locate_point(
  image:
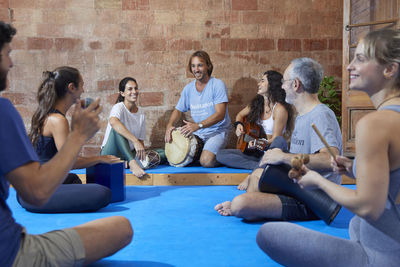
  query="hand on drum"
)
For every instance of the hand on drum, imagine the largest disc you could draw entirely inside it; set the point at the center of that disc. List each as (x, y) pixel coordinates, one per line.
(189, 128)
(272, 156)
(168, 134)
(140, 152)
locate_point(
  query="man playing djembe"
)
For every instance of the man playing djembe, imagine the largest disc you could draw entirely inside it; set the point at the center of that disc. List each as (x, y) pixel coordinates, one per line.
(206, 98)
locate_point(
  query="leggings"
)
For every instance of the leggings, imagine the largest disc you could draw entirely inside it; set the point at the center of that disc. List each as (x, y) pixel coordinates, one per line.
(293, 245)
(234, 158)
(73, 198)
(118, 146)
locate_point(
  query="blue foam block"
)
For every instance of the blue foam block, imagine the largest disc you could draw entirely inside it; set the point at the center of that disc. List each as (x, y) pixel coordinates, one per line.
(109, 175)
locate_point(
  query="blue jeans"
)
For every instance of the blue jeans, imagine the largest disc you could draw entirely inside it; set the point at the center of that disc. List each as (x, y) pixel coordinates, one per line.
(234, 158)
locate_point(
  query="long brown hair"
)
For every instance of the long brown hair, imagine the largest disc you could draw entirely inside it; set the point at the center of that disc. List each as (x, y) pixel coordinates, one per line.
(275, 94)
(53, 87)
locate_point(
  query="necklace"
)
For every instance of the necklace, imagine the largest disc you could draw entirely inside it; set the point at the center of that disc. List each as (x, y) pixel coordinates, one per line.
(386, 100)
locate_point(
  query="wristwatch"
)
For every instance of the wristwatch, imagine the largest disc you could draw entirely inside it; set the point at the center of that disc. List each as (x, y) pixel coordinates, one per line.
(200, 125)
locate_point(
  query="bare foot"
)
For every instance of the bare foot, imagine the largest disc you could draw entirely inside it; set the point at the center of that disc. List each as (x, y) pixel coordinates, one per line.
(224, 208)
(135, 169)
(244, 184)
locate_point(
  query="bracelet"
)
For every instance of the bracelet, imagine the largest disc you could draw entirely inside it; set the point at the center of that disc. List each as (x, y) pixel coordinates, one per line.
(236, 123)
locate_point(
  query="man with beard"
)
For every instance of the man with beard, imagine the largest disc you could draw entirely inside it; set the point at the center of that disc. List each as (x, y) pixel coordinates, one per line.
(35, 183)
(206, 98)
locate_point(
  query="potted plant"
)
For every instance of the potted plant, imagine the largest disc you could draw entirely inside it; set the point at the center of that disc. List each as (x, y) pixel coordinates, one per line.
(329, 96)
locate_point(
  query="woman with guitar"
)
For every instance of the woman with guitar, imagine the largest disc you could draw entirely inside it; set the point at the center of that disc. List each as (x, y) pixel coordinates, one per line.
(258, 125)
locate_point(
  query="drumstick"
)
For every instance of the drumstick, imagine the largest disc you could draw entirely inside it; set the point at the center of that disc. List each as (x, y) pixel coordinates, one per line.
(323, 140)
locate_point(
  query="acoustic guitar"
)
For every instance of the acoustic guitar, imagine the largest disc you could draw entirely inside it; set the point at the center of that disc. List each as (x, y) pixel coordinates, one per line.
(252, 131)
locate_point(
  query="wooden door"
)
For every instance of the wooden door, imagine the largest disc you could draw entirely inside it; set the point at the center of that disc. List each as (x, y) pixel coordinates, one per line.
(360, 17)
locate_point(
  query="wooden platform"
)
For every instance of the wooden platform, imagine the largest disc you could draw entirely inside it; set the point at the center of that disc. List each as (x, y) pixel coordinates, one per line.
(192, 179)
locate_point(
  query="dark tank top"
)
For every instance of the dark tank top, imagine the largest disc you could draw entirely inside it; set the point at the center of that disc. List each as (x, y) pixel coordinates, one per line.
(46, 147)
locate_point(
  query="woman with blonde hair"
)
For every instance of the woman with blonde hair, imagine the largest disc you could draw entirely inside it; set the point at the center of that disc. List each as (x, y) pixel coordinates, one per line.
(374, 230)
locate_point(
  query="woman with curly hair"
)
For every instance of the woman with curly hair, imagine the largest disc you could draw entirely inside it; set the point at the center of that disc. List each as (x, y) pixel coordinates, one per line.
(272, 114)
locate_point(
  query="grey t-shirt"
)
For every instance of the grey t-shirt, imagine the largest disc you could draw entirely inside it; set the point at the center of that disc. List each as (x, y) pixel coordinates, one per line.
(305, 140)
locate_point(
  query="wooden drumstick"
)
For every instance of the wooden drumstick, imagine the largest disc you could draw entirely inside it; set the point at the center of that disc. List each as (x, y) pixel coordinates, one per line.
(323, 140)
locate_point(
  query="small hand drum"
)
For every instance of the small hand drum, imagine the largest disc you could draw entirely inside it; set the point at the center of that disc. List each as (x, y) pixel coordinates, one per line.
(183, 150)
(151, 160)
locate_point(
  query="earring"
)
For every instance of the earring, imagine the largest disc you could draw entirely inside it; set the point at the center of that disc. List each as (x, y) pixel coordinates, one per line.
(388, 76)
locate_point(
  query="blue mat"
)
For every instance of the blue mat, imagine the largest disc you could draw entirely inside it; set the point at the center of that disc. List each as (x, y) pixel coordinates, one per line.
(176, 226)
(192, 169)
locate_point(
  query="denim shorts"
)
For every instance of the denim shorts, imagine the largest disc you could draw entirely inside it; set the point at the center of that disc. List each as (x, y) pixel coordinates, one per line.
(215, 142)
(295, 210)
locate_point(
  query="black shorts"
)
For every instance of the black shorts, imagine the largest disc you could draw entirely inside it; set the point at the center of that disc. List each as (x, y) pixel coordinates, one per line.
(295, 210)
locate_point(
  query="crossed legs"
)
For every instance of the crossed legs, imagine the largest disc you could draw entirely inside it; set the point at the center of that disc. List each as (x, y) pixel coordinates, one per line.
(252, 205)
(103, 237)
(293, 245)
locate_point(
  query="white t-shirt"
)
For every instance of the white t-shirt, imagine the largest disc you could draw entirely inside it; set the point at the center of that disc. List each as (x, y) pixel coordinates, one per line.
(134, 122)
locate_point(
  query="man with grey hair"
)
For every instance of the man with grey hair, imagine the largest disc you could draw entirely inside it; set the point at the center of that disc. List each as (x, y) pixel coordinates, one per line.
(301, 81)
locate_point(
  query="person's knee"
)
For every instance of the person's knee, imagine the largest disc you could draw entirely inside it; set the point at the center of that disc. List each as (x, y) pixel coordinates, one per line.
(207, 160)
(128, 229)
(267, 237)
(125, 229)
(206, 163)
(262, 236)
(279, 142)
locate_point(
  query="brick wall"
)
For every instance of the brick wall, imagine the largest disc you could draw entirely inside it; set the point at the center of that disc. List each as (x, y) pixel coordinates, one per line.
(151, 40)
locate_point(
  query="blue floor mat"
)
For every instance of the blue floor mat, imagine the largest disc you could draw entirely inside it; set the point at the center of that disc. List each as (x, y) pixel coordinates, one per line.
(176, 226)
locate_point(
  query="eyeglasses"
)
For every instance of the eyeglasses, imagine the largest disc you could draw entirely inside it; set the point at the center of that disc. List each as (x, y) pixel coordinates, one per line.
(283, 80)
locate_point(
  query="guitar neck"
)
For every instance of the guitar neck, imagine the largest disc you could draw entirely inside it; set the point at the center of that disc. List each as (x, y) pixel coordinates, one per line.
(247, 138)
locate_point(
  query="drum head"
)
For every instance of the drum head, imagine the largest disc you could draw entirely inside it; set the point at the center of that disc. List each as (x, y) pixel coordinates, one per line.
(177, 150)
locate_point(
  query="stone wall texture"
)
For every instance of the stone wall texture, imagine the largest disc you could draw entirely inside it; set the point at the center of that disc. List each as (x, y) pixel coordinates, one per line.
(152, 40)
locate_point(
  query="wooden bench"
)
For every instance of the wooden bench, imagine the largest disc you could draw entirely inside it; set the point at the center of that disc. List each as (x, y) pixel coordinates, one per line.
(167, 175)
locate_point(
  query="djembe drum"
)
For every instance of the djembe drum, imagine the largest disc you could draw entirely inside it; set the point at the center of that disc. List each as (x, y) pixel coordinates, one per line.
(183, 150)
(275, 179)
